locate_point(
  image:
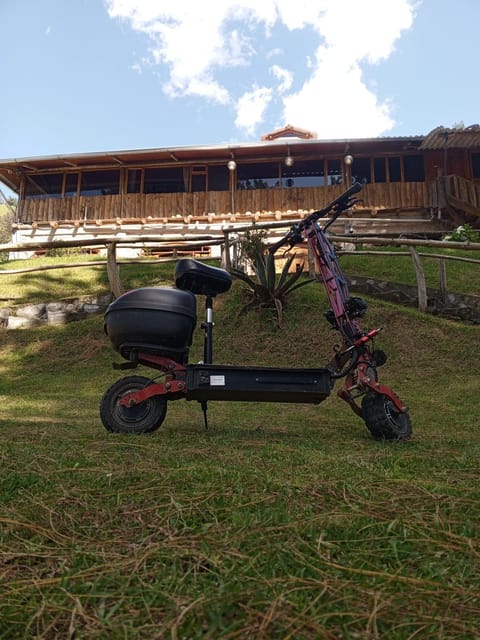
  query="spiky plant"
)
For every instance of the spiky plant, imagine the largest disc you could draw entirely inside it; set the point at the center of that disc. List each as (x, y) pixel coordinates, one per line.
(265, 290)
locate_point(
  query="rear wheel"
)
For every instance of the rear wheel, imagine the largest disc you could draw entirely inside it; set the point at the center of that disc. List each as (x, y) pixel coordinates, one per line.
(383, 419)
(141, 418)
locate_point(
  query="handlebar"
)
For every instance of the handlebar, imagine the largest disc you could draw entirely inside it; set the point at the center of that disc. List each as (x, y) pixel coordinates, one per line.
(343, 202)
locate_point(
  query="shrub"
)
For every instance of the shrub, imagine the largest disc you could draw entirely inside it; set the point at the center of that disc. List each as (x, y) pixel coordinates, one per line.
(464, 233)
(265, 290)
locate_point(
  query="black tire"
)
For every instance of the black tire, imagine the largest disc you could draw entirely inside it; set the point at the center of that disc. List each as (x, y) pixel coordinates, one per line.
(142, 418)
(383, 420)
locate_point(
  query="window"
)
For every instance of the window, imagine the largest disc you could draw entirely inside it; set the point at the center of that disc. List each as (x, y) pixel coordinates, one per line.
(476, 165)
(304, 174)
(218, 178)
(334, 168)
(379, 170)
(134, 181)
(99, 183)
(394, 169)
(71, 184)
(47, 185)
(258, 176)
(413, 169)
(165, 180)
(199, 178)
(361, 170)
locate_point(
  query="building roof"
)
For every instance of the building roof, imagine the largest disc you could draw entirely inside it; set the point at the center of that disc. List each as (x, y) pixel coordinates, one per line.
(459, 137)
(289, 131)
(298, 143)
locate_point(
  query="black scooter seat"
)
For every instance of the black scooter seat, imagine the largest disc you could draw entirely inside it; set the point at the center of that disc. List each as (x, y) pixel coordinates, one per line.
(200, 278)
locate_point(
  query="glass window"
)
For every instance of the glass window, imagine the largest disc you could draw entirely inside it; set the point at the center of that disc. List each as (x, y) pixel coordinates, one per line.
(476, 165)
(99, 183)
(394, 169)
(379, 169)
(199, 178)
(258, 176)
(47, 185)
(218, 178)
(71, 184)
(361, 170)
(413, 169)
(199, 182)
(134, 181)
(165, 180)
(334, 172)
(304, 174)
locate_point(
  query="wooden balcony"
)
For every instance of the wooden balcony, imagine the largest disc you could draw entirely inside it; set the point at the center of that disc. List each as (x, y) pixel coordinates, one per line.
(218, 204)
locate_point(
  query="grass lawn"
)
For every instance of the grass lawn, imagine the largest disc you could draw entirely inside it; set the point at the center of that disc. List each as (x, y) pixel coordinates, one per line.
(281, 521)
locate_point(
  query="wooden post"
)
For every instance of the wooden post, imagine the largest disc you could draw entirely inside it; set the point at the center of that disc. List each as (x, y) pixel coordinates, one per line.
(113, 270)
(227, 263)
(442, 266)
(421, 284)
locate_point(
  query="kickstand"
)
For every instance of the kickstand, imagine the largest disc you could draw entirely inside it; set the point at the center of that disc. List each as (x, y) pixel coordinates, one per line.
(204, 409)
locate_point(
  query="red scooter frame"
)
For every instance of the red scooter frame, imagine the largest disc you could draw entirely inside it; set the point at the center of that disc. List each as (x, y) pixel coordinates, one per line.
(137, 404)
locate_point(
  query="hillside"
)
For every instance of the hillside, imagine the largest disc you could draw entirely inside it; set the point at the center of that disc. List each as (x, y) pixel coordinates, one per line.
(280, 521)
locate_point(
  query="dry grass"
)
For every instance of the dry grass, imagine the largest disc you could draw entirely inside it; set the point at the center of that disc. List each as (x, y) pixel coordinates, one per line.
(281, 521)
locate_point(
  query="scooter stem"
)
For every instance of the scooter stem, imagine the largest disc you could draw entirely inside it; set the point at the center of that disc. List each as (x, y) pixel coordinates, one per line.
(208, 328)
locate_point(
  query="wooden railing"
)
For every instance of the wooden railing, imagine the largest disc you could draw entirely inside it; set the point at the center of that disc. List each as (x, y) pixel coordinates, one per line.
(377, 197)
(463, 189)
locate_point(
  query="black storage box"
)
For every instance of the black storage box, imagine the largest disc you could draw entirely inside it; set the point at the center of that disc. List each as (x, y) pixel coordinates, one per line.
(259, 384)
(158, 320)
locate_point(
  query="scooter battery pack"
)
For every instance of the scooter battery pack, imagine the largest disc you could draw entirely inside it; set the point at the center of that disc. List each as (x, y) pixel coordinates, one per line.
(257, 384)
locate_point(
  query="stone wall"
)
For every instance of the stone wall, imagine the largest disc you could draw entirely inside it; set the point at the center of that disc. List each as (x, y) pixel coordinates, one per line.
(456, 306)
(60, 312)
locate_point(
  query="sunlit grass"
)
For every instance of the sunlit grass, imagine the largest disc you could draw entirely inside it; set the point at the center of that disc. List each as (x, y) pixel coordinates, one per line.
(280, 521)
(462, 277)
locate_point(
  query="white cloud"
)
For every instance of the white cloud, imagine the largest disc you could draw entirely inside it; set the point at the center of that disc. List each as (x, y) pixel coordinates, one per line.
(205, 46)
(284, 77)
(251, 107)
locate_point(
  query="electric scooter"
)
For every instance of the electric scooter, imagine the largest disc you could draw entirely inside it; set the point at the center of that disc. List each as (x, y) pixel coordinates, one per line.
(153, 326)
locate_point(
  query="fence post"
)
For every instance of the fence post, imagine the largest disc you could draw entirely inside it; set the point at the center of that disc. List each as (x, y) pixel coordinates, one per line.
(227, 263)
(442, 266)
(113, 271)
(421, 284)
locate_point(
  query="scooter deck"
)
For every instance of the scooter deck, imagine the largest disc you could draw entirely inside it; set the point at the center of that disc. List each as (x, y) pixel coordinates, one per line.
(258, 384)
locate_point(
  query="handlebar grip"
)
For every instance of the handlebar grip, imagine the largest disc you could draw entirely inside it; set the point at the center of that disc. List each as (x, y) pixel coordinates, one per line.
(346, 195)
(355, 188)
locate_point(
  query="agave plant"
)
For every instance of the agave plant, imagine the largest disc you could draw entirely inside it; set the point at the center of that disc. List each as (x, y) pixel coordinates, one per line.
(265, 289)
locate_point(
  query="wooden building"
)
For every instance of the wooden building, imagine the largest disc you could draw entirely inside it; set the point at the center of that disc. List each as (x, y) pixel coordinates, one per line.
(413, 185)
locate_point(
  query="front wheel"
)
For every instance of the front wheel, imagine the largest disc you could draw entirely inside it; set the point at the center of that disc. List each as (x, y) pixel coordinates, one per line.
(383, 419)
(141, 418)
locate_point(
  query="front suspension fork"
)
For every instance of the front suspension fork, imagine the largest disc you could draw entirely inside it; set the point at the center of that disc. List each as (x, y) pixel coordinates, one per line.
(362, 378)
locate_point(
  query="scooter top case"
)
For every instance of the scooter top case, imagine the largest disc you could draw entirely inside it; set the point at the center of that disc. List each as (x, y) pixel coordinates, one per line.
(157, 320)
(257, 384)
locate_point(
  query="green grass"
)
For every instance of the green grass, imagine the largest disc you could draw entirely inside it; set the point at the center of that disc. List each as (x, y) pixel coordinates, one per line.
(281, 521)
(32, 287)
(60, 283)
(462, 277)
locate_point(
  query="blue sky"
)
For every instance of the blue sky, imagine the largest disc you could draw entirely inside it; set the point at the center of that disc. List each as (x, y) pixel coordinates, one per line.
(93, 75)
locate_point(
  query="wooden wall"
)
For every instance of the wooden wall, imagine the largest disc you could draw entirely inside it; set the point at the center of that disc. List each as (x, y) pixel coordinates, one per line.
(388, 196)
